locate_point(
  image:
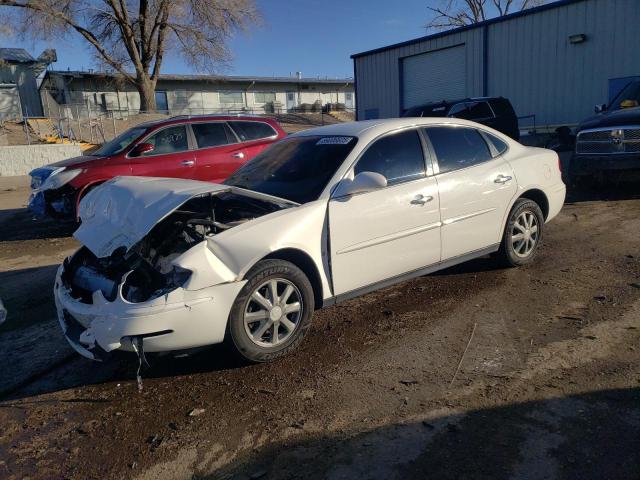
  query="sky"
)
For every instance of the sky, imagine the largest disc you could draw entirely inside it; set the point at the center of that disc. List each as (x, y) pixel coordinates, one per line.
(315, 37)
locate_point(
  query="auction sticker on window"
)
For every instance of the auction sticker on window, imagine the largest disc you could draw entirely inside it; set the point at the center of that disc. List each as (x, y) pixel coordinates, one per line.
(334, 140)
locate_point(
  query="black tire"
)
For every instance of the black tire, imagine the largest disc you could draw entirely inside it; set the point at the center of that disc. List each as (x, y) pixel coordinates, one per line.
(507, 255)
(262, 273)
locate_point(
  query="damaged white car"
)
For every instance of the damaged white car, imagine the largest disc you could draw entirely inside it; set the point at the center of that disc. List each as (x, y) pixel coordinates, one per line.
(322, 216)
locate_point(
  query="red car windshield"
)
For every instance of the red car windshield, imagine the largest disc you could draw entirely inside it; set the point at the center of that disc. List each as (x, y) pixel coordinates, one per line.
(119, 143)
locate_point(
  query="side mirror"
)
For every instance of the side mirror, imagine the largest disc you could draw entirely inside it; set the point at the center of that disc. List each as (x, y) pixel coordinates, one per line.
(600, 108)
(362, 182)
(141, 149)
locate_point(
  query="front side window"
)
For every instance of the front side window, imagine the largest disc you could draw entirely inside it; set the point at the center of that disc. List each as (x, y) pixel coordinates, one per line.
(398, 157)
(169, 140)
(629, 97)
(212, 134)
(458, 147)
(231, 97)
(248, 131)
(119, 143)
(264, 97)
(296, 168)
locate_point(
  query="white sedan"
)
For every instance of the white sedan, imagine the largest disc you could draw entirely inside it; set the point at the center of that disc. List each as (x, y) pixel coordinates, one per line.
(322, 216)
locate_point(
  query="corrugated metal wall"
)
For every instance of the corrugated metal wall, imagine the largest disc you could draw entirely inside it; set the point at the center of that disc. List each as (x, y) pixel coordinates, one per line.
(22, 76)
(378, 75)
(530, 61)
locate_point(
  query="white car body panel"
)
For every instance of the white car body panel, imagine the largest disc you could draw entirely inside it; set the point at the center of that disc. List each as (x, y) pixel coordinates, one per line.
(299, 228)
(356, 244)
(382, 234)
(472, 206)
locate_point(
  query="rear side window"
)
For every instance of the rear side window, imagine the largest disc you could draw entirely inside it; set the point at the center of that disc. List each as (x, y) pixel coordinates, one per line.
(472, 111)
(398, 157)
(498, 144)
(458, 147)
(502, 107)
(169, 140)
(248, 131)
(212, 134)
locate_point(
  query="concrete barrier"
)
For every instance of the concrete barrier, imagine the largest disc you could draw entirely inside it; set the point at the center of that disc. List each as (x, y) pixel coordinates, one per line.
(21, 159)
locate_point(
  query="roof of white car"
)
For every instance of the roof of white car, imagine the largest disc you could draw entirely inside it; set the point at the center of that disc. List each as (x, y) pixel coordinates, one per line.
(378, 127)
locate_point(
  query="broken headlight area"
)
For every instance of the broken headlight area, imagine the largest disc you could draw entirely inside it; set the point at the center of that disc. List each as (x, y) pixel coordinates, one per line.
(147, 271)
(86, 274)
(58, 203)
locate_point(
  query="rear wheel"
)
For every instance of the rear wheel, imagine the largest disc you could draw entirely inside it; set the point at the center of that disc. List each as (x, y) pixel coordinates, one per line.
(272, 312)
(522, 234)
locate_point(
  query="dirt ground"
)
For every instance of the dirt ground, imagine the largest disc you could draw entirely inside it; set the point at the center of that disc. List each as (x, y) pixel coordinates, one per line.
(474, 372)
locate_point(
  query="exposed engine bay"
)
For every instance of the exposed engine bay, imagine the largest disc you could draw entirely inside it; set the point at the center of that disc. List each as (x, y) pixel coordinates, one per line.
(146, 271)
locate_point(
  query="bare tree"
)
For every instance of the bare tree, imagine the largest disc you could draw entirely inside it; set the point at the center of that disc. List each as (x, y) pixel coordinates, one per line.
(133, 37)
(459, 13)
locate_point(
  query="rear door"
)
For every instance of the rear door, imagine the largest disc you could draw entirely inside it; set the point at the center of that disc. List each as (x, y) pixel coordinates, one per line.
(172, 155)
(254, 135)
(219, 152)
(476, 185)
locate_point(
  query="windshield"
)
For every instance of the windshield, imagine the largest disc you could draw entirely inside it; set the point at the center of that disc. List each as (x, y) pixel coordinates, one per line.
(627, 98)
(296, 168)
(119, 143)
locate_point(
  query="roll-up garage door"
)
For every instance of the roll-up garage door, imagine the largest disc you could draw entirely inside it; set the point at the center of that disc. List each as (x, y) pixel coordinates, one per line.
(434, 76)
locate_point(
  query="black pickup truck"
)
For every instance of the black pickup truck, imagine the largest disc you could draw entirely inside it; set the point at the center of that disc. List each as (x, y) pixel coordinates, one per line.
(608, 144)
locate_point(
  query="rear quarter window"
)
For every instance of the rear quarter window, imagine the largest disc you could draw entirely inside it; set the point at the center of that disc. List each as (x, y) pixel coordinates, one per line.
(498, 144)
(248, 131)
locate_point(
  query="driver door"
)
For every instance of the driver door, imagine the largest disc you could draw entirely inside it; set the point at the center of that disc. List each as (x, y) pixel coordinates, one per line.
(385, 233)
(170, 157)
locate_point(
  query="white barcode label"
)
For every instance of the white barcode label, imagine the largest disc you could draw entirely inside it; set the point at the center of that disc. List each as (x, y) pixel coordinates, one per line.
(334, 140)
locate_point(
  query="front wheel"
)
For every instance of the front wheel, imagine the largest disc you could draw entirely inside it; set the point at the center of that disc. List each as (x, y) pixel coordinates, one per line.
(272, 312)
(522, 234)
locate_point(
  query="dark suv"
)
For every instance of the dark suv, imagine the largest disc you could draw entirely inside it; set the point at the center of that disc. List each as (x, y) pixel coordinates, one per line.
(494, 112)
(609, 141)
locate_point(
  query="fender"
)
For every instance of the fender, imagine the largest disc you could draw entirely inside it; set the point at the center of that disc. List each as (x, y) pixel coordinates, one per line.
(83, 191)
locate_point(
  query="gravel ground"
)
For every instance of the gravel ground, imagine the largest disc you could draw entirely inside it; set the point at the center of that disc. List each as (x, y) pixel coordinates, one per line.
(549, 386)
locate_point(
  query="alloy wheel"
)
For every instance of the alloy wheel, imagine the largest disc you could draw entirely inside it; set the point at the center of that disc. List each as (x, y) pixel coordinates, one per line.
(273, 312)
(525, 234)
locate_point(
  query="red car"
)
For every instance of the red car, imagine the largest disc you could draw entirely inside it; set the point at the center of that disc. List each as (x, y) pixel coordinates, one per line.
(208, 148)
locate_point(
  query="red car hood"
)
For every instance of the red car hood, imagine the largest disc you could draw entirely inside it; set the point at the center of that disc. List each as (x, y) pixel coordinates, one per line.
(81, 161)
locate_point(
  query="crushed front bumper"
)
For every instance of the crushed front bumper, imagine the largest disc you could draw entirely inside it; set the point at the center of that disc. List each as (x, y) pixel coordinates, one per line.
(181, 319)
(55, 203)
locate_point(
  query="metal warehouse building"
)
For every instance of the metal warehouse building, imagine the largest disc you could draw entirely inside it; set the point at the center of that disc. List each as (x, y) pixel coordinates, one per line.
(554, 62)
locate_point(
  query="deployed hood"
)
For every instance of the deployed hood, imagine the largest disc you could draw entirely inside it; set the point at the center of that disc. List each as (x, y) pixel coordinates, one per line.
(125, 209)
(615, 118)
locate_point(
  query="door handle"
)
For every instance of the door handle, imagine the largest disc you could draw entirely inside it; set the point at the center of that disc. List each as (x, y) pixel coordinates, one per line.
(421, 200)
(238, 155)
(188, 163)
(502, 179)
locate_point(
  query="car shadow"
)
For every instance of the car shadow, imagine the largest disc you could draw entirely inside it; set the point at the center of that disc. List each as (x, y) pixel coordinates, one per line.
(593, 435)
(605, 191)
(20, 224)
